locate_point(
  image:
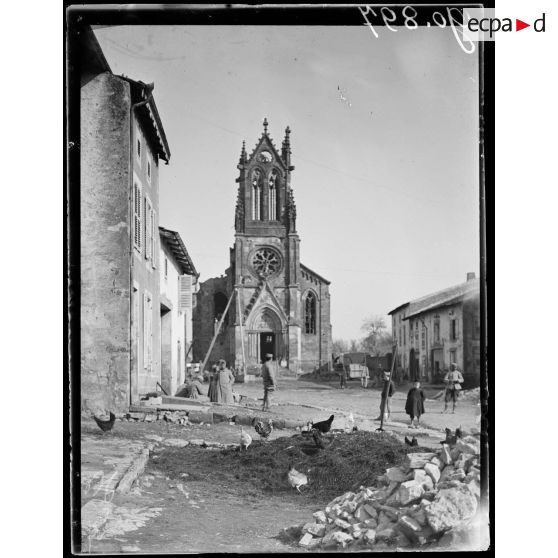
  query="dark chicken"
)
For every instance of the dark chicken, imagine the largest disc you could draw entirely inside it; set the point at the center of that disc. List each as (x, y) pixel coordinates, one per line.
(323, 426)
(264, 431)
(105, 425)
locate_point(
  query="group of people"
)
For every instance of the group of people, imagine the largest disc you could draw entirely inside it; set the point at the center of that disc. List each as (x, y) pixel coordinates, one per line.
(221, 380)
(414, 405)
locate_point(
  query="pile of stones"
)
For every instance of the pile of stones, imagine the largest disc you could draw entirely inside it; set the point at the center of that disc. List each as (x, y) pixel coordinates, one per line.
(433, 498)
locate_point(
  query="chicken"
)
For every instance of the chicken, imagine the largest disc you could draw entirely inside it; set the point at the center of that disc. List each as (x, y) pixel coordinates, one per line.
(350, 423)
(451, 439)
(245, 439)
(408, 442)
(458, 432)
(296, 479)
(414, 442)
(105, 425)
(323, 426)
(263, 431)
(319, 440)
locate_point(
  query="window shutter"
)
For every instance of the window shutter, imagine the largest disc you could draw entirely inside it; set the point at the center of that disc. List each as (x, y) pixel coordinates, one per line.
(145, 329)
(184, 292)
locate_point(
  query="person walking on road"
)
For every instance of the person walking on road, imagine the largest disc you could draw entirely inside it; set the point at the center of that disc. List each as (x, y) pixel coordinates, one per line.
(342, 375)
(269, 377)
(414, 406)
(453, 380)
(388, 389)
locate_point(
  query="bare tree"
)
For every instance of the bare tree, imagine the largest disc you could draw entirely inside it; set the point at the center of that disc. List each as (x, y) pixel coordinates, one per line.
(340, 346)
(377, 340)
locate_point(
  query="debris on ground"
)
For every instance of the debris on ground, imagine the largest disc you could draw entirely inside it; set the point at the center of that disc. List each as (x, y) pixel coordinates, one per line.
(349, 461)
(430, 499)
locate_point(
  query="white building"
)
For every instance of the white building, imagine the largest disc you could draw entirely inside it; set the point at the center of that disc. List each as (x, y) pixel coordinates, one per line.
(178, 282)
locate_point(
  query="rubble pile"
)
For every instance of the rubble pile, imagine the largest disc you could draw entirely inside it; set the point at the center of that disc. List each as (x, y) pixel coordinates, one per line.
(431, 497)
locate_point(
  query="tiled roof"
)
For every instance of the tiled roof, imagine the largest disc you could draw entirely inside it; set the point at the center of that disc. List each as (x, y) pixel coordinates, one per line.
(174, 242)
(445, 297)
(310, 272)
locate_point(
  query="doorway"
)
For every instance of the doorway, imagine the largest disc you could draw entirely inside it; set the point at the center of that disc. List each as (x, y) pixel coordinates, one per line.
(267, 345)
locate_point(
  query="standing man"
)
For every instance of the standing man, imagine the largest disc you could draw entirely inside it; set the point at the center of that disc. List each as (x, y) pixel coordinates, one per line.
(269, 377)
(388, 389)
(453, 380)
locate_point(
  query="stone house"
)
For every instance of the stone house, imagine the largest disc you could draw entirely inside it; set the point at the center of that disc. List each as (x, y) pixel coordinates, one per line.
(121, 146)
(439, 329)
(280, 306)
(178, 280)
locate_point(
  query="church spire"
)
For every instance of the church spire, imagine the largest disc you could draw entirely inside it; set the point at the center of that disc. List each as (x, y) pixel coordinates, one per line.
(243, 155)
(265, 125)
(286, 147)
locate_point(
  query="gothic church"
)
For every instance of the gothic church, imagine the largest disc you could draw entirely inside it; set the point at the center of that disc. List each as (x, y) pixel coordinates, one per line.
(275, 303)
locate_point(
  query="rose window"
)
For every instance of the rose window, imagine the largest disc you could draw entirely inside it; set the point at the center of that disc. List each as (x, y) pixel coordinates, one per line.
(266, 262)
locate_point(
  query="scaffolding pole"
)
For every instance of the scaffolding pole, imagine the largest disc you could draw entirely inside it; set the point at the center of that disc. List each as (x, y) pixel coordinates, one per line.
(241, 334)
(216, 333)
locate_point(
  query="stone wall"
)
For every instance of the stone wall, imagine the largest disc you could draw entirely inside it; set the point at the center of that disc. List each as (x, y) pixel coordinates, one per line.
(105, 244)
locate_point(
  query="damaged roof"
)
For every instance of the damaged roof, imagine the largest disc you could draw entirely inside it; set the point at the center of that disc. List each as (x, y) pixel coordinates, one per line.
(445, 297)
(310, 272)
(176, 246)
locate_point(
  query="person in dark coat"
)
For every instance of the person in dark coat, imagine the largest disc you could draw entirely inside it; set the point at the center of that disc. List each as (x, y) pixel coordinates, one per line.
(269, 377)
(414, 406)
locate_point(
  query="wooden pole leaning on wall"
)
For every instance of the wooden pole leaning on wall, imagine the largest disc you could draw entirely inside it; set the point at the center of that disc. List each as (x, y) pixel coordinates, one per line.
(241, 334)
(216, 334)
(385, 389)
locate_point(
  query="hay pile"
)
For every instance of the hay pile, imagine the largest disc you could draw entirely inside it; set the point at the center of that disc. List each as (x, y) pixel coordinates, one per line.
(350, 461)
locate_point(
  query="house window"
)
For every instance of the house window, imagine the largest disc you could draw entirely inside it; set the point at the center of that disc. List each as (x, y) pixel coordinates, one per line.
(453, 356)
(423, 337)
(137, 217)
(147, 332)
(149, 169)
(453, 330)
(166, 268)
(149, 232)
(404, 335)
(138, 149)
(310, 313)
(437, 331)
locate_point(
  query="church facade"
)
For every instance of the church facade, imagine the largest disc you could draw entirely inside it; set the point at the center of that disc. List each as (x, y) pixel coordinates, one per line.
(271, 301)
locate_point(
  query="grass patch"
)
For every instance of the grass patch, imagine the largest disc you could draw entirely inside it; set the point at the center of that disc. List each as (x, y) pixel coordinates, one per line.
(350, 461)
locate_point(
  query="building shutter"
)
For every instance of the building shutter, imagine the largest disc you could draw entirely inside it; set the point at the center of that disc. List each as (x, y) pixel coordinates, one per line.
(184, 292)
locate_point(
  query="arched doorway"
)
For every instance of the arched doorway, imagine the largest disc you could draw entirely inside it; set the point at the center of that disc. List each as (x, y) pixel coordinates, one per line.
(265, 334)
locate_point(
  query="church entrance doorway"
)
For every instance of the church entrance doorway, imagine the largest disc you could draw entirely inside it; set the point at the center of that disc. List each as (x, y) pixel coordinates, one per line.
(267, 345)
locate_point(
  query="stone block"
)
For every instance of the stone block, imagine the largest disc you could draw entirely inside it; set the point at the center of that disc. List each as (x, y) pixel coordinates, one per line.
(432, 471)
(446, 473)
(305, 540)
(418, 460)
(320, 517)
(410, 491)
(438, 462)
(397, 474)
(315, 529)
(370, 510)
(341, 523)
(409, 526)
(386, 535)
(342, 539)
(370, 523)
(361, 514)
(451, 507)
(370, 536)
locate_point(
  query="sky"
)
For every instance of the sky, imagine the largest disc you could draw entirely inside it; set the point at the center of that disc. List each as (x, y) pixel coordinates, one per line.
(384, 139)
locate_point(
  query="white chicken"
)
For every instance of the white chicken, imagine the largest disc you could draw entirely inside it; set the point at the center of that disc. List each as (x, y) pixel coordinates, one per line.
(350, 422)
(245, 439)
(296, 479)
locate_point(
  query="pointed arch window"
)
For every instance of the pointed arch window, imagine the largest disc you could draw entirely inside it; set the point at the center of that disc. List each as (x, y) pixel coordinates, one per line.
(256, 195)
(310, 313)
(272, 196)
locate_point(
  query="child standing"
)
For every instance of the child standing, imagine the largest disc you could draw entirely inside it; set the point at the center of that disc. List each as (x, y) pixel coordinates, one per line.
(414, 406)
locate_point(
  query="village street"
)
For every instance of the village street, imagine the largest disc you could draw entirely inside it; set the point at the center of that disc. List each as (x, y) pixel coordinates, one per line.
(183, 502)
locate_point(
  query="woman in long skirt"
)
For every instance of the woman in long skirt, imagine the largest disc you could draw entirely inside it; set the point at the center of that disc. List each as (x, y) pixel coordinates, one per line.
(213, 389)
(224, 385)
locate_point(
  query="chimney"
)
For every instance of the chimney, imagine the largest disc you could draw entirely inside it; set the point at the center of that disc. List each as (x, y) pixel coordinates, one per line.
(470, 275)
